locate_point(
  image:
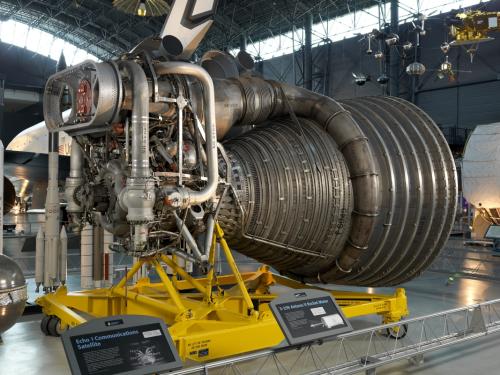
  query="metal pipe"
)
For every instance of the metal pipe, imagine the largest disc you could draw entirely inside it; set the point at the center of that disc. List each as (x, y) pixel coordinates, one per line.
(160, 148)
(308, 60)
(140, 119)
(139, 195)
(127, 140)
(394, 59)
(184, 197)
(180, 142)
(191, 242)
(209, 233)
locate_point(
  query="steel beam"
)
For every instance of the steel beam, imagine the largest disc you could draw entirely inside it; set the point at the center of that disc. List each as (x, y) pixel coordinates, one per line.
(394, 54)
(308, 62)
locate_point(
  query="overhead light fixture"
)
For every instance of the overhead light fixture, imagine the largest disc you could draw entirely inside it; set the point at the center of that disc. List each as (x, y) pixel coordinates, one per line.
(142, 8)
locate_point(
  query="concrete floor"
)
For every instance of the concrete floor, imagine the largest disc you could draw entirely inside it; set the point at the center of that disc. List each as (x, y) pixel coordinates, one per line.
(25, 350)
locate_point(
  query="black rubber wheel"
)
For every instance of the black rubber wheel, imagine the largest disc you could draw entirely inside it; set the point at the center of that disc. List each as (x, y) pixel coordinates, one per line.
(399, 334)
(54, 326)
(44, 324)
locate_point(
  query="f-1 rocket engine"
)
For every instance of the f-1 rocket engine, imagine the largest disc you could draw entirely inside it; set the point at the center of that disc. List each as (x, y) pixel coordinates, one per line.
(359, 192)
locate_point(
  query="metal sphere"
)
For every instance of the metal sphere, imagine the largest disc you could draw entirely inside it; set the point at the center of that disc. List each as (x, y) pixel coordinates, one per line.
(415, 69)
(13, 294)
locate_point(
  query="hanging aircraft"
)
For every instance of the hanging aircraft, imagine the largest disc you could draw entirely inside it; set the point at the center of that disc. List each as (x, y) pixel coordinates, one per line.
(26, 167)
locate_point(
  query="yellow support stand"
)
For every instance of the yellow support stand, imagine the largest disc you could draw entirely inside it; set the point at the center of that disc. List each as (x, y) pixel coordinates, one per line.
(211, 317)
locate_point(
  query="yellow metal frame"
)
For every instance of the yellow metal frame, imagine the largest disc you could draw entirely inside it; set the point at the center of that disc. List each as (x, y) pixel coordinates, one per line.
(210, 317)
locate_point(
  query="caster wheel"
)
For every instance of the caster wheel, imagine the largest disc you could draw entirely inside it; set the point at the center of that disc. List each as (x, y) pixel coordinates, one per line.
(54, 327)
(397, 332)
(44, 324)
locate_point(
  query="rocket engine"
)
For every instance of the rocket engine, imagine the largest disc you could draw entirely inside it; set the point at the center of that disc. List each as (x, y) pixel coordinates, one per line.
(359, 192)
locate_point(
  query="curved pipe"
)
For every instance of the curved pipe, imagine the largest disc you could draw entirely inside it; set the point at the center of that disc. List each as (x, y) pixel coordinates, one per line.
(183, 197)
(363, 169)
(262, 100)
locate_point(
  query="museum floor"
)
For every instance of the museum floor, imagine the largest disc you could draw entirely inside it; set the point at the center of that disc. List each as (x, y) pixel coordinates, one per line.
(25, 350)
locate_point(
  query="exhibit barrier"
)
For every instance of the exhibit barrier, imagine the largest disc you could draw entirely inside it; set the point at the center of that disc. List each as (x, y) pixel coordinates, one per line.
(367, 349)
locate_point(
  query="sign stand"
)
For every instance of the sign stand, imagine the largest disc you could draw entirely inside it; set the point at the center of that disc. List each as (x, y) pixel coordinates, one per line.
(125, 345)
(308, 315)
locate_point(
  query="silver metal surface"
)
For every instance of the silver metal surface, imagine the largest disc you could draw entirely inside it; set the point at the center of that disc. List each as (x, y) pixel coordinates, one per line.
(402, 174)
(13, 293)
(281, 176)
(107, 95)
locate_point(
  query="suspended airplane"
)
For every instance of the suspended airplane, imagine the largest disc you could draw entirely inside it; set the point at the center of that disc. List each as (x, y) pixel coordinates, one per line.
(26, 166)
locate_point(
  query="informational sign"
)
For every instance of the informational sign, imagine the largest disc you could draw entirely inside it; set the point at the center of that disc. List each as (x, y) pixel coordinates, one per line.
(309, 315)
(493, 232)
(128, 344)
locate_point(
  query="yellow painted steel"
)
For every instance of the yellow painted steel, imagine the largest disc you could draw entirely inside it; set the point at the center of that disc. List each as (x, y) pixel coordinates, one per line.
(233, 266)
(210, 317)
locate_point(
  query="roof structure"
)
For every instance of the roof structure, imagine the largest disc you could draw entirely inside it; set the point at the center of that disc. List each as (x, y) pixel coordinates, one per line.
(104, 31)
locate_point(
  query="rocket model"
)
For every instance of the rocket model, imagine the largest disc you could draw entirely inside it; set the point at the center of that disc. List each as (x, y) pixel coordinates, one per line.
(51, 243)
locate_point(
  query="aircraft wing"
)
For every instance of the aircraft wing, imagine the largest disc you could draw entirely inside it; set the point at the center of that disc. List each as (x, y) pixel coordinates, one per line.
(32, 166)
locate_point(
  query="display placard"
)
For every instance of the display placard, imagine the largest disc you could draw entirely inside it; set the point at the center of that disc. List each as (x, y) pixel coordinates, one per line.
(309, 315)
(125, 344)
(493, 232)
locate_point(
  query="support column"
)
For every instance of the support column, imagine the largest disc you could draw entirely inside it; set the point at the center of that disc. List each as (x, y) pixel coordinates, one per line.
(308, 63)
(2, 83)
(1, 194)
(243, 41)
(394, 55)
(2, 104)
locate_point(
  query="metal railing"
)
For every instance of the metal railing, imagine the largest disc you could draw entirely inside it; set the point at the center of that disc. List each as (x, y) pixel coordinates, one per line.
(367, 349)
